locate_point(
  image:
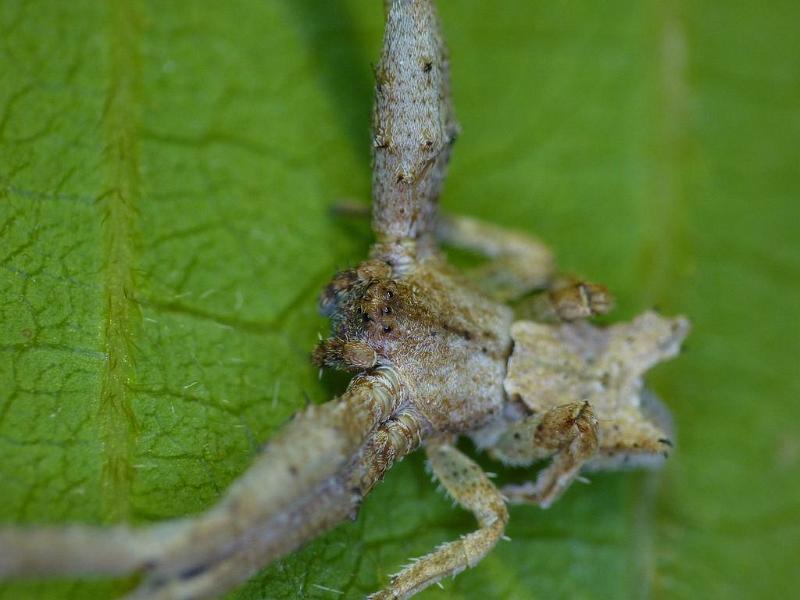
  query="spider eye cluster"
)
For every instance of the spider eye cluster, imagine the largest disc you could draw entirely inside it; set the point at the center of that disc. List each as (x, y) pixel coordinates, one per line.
(348, 286)
(362, 304)
(377, 307)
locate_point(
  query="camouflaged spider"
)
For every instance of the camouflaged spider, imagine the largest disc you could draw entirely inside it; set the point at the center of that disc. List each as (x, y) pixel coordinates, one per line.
(434, 357)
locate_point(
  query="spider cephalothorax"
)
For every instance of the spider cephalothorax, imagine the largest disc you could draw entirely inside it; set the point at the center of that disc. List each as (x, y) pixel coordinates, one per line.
(438, 331)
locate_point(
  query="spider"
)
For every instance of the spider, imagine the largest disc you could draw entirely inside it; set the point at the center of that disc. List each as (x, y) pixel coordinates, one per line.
(435, 354)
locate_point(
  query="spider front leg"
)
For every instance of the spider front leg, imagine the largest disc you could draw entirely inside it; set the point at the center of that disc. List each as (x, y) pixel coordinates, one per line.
(291, 493)
(324, 506)
(568, 433)
(469, 486)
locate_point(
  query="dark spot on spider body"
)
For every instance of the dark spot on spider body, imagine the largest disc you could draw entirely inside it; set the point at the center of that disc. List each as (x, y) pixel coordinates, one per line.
(193, 571)
(457, 331)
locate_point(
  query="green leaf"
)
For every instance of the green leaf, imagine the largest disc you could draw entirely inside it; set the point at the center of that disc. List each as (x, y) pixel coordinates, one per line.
(165, 175)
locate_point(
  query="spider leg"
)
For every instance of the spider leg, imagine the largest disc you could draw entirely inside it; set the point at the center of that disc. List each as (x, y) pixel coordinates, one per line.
(567, 299)
(470, 487)
(335, 499)
(520, 263)
(54, 551)
(309, 451)
(568, 433)
(632, 443)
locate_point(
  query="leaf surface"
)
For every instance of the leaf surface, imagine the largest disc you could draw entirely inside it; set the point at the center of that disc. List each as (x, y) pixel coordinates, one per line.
(165, 176)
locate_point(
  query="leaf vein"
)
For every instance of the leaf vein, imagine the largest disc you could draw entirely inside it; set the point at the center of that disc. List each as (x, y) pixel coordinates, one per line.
(118, 207)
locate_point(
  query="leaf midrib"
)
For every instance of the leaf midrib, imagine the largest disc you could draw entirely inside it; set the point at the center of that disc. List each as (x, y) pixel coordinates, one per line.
(118, 214)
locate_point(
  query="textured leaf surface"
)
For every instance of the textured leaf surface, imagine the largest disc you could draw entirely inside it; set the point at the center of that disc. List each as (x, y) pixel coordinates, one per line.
(165, 173)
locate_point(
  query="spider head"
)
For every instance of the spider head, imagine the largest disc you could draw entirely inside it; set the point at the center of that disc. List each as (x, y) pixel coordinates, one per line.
(361, 304)
(350, 286)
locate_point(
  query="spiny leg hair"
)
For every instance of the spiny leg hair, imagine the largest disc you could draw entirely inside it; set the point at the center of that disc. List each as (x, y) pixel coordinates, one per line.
(470, 487)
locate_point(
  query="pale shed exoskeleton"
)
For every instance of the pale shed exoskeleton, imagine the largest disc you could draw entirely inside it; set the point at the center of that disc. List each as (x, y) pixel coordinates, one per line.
(435, 354)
